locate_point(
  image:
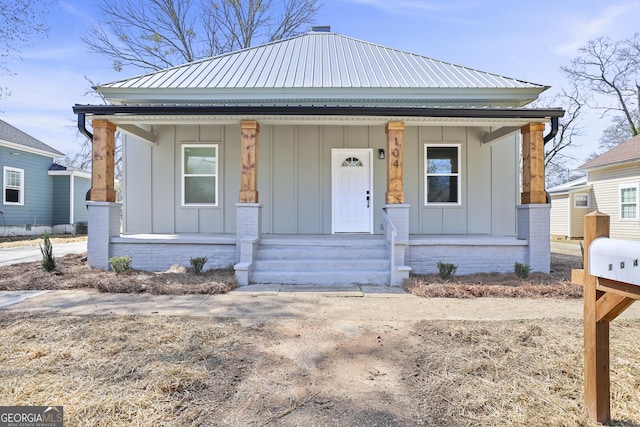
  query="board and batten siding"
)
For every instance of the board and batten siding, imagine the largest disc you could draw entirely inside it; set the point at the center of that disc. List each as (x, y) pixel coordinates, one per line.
(294, 179)
(38, 188)
(606, 193)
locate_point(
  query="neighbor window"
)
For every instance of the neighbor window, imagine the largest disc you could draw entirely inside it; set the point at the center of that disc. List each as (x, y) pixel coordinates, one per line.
(442, 174)
(199, 175)
(629, 202)
(13, 186)
(581, 201)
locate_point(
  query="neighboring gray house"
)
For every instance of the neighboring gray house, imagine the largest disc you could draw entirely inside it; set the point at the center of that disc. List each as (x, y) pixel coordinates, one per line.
(38, 194)
(321, 159)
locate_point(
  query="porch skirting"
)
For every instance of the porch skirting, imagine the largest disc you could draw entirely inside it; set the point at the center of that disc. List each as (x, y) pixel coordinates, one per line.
(471, 253)
(158, 252)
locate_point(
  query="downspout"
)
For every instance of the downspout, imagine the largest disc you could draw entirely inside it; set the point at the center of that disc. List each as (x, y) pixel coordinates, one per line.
(555, 124)
(82, 127)
(552, 133)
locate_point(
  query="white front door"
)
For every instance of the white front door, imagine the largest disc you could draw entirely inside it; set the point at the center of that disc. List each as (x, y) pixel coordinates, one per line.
(352, 190)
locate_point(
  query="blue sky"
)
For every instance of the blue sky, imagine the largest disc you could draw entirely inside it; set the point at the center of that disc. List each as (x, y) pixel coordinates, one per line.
(524, 39)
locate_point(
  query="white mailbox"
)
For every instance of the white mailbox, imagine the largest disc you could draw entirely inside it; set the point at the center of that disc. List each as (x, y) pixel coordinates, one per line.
(615, 259)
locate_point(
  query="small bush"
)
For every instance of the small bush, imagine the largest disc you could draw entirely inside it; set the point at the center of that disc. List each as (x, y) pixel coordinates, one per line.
(522, 270)
(120, 264)
(446, 270)
(48, 261)
(198, 263)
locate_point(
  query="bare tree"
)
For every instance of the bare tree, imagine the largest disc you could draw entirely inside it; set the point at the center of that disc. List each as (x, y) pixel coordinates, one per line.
(609, 70)
(22, 21)
(617, 133)
(156, 34)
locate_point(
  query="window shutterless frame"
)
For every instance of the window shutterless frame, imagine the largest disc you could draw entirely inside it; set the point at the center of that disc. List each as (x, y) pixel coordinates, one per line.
(199, 175)
(442, 176)
(12, 186)
(628, 202)
(581, 201)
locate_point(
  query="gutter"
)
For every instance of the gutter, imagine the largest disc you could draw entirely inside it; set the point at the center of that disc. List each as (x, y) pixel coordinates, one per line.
(316, 110)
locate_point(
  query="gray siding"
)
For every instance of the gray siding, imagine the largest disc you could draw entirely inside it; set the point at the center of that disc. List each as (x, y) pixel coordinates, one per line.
(294, 180)
(61, 202)
(81, 186)
(38, 188)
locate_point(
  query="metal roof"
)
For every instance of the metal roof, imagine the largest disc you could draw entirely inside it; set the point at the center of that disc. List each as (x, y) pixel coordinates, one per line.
(16, 137)
(322, 67)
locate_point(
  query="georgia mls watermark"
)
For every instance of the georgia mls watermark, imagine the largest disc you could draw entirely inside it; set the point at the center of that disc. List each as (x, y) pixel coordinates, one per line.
(31, 416)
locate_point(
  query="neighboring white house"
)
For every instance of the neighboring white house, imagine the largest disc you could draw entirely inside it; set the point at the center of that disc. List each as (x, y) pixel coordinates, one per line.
(321, 159)
(570, 202)
(614, 178)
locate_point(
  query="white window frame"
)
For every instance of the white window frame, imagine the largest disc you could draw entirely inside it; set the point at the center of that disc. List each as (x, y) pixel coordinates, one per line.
(183, 175)
(626, 186)
(5, 186)
(575, 201)
(427, 175)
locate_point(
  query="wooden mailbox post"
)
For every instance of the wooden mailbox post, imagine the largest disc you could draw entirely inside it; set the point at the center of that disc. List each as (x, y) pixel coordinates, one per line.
(604, 300)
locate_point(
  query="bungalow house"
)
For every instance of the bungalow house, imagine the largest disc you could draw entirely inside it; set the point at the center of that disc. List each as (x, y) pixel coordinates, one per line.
(570, 202)
(614, 181)
(37, 194)
(321, 159)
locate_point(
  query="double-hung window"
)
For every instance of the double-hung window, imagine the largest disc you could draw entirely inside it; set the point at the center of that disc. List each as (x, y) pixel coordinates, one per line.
(442, 174)
(199, 175)
(629, 201)
(581, 201)
(13, 186)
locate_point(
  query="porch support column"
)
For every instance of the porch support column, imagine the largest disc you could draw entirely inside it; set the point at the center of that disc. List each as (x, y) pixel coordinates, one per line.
(533, 164)
(249, 150)
(102, 169)
(248, 210)
(395, 187)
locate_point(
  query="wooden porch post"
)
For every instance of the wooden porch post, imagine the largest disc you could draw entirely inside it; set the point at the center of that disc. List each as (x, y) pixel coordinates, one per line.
(395, 187)
(249, 151)
(533, 191)
(102, 169)
(596, 331)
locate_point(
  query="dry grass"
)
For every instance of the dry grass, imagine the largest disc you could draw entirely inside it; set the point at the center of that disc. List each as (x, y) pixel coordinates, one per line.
(72, 273)
(557, 284)
(153, 371)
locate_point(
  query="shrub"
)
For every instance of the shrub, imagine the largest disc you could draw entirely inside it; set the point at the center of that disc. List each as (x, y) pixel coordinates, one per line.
(48, 261)
(120, 264)
(522, 270)
(446, 270)
(198, 263)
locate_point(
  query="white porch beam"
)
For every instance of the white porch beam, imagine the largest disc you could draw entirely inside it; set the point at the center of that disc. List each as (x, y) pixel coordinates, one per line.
(503, 132)
(138, 132)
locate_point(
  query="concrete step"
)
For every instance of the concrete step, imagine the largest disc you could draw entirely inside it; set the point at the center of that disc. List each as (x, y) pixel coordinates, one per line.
(339, 260)
(321, 278)
(323, 264)
(323, 252)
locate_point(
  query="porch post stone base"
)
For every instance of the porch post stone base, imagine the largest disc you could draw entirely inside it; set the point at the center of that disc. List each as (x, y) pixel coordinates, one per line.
(104, 223)
(399, 215)
(248, 230)
(534, 226)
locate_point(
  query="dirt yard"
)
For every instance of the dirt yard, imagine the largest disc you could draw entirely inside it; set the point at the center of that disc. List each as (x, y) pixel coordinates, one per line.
(178, 371)
(172, 371)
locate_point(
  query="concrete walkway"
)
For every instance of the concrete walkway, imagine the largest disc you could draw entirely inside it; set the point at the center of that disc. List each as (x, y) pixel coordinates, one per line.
(32, 253)
(300, 302)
